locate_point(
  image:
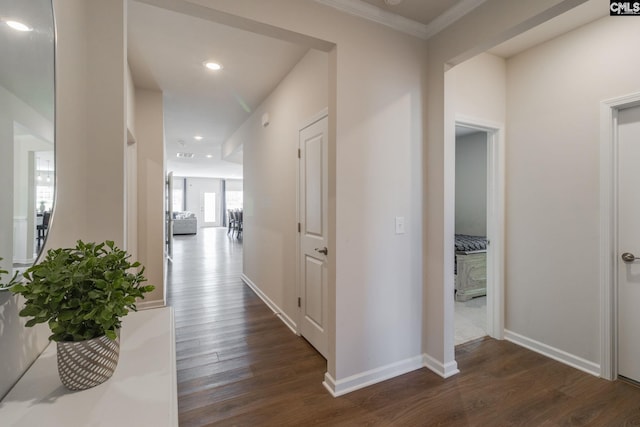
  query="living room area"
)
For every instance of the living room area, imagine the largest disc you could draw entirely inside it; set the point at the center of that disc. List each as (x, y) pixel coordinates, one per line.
(199, 202)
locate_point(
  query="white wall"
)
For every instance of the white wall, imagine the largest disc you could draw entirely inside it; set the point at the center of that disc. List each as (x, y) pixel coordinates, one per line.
(106, 120)
(553, 96)
(270, 179)
(471, 184)
(149, 127)
(477, 88)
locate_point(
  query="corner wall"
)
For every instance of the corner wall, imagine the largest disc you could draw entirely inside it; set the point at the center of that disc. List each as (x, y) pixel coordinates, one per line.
(552, 98)
(491, 23)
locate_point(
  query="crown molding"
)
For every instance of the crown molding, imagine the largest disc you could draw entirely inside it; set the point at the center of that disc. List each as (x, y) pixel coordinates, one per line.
(408, 26)
(373, 13)
(451, 15)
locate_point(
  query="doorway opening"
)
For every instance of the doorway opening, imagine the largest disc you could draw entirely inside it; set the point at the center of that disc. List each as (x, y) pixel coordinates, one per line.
(479, 207)
(470, 269)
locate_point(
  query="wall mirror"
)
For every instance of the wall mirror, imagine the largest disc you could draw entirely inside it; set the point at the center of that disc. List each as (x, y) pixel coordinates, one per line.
(27, 120)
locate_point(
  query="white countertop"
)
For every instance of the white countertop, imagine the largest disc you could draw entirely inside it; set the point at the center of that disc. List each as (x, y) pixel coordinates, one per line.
(141, 392)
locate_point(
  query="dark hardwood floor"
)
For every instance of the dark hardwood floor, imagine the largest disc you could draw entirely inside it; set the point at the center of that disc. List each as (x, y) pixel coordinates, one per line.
(239, 365)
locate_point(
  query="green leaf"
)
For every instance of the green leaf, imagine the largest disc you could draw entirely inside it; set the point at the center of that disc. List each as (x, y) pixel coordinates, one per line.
(66, 315)
(18, 289)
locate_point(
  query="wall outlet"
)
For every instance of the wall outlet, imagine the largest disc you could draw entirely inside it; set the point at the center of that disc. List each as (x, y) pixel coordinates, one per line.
(399, 225)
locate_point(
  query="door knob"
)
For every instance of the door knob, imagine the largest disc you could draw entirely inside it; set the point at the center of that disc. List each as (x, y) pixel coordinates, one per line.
(629, 257)
(322, 251)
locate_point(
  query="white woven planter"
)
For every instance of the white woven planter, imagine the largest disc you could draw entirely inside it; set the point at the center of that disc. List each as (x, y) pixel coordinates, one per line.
(85, 364)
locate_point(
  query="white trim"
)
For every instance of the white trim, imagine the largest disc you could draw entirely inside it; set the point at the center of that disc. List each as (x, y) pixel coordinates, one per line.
(444, 370)
(408, 26)
(370, 377)
(608, 234)
(147, 305)
(375, 14)
(303, 125)
(272, 305)
(313, 119)
(495, 219)
(173, 406)
(553, 353)
(451, 15)
(329, 383)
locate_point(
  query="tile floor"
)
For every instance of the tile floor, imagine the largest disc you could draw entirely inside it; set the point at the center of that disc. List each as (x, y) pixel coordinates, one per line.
(470, 319)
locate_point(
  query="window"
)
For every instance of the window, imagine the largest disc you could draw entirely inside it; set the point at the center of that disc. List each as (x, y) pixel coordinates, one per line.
(44, 197)
(234, 199)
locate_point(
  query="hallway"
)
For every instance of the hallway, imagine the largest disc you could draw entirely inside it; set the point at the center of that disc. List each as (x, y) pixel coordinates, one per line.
(239, 365)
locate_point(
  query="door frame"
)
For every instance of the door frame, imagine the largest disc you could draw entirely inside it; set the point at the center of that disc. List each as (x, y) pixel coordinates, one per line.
(495, 218)
(608, 231)
(305, 124)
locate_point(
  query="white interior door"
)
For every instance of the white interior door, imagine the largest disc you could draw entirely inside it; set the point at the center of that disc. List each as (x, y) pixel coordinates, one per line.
(313, 234)
(629, 243)
(169, 215)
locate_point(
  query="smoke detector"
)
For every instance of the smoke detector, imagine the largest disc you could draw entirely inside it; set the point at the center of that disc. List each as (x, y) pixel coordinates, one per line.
(392, 2)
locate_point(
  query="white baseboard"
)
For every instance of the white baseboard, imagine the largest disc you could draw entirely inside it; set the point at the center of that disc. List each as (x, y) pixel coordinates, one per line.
(373, 376)
(330, 384)
(272, 305)
(444, 370)
(146, 305)
(553, 353)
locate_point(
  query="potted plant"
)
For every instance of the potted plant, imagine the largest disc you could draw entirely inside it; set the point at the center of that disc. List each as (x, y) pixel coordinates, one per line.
(83, 293)
(14, 280)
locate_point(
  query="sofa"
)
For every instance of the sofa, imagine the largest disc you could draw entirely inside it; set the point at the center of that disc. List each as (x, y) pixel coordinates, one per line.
(185, 223)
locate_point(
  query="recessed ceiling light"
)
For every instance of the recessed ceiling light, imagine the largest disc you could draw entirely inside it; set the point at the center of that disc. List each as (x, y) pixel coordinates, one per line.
(198, 137)
(209, 156)
(213, 65)
(19, 26)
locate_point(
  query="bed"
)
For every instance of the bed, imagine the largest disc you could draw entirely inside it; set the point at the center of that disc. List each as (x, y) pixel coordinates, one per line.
(470, 266)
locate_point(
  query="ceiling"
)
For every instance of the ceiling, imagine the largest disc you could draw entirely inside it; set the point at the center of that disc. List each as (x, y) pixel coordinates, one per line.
(167, 50)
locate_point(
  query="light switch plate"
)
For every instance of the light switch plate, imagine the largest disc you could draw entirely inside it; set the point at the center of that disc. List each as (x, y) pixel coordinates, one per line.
(399, 225)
